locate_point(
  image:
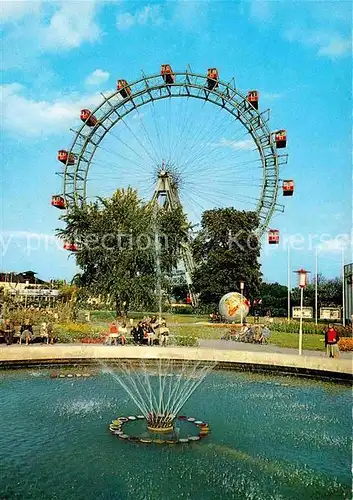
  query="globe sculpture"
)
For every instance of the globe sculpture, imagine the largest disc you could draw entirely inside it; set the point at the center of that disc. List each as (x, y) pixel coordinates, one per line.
(233, 306)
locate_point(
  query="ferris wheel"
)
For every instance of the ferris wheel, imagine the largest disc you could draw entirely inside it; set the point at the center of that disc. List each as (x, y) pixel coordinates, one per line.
(210, 148)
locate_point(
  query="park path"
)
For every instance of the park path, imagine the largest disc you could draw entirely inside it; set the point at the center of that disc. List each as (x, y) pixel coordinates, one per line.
(242, 346)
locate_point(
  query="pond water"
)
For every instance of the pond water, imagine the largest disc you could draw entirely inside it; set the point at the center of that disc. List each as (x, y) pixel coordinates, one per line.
(271, 437)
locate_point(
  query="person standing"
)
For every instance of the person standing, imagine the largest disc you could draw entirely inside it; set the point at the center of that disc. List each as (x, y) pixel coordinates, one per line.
(50, 331)
(331, 340)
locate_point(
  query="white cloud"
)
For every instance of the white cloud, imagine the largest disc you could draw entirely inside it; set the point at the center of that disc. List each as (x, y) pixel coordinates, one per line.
(71, 25)
(34, 29)
(97, 77)
(12, 11)
(335, 245)
(150, 14)
(31, 118)
(336, 47)
(327, 43)
(245, 144)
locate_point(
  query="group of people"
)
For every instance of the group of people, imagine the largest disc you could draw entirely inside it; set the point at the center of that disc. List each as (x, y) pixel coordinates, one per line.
(146, 332)
(13, 332)
(256, 334)
(117, 333)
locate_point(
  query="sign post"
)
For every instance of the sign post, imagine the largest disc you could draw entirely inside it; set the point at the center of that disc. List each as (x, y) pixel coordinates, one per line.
(302, 275)
(241, 303)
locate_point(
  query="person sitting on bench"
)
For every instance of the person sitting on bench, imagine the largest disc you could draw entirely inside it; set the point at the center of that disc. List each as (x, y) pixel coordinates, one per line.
(26, 332)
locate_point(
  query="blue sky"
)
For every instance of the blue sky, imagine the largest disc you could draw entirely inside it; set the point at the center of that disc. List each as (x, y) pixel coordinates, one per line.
(58, 56)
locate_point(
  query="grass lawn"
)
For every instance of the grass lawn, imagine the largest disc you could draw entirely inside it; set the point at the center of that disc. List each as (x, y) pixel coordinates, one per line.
(107, 316)
(311, 341)
(281, 339)
(187, 325)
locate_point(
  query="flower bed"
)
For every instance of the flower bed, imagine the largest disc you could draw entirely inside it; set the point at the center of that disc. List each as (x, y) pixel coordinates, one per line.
(308, 327)
(345, 344)
(93, 340)
(75, 332)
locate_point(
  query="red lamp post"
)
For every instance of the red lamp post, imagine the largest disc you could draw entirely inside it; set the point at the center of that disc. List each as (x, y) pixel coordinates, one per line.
(303, 281)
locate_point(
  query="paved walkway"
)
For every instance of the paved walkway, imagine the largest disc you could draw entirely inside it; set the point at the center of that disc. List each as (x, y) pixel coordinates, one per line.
(242, 346)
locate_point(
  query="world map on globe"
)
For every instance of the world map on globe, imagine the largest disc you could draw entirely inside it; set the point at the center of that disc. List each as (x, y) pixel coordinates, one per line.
(233, 306)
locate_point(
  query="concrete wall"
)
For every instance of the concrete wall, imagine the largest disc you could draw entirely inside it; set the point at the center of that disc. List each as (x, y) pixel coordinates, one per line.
(86, 354)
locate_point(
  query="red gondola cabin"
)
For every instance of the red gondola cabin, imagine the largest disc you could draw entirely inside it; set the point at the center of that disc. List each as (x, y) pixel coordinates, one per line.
(87, 117)
(212, 78)
(288, 188)
(71, 247)
(281, 138)
(188, 299)
(273, 236)
(253, 98)
(167, 74)
(58, 202)
(65, 157)
(123, 88)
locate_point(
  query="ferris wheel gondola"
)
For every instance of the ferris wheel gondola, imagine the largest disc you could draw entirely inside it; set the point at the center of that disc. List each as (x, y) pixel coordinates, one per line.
(193, 139)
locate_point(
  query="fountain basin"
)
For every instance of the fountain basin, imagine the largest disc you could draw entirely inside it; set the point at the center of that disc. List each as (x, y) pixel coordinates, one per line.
(286, 437)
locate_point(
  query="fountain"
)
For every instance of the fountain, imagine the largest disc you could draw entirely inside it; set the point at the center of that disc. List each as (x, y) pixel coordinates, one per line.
(274, 437)
(160, 391)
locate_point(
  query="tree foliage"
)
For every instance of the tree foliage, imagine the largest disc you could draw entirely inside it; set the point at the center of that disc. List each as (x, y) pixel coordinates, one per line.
(117, 240)
(329, 293)
(274, 298)
(226, 252)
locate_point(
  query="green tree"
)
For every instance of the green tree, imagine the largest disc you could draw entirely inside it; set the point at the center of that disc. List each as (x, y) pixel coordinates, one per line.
(329, 293)
(117, 247)
(226, 252)
(274, 298)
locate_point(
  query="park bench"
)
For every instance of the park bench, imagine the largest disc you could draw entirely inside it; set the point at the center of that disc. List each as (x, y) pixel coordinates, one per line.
(36, 337)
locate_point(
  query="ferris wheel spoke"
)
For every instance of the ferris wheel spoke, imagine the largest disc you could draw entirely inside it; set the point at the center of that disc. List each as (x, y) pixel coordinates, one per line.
(119, 155)
(222, 194)
(211, 131)
(125, 144)
(204, 152)
(181, 129)
(215, 156)
(146, 149)
(187, 135)
(159, 144)
(154, 160)
(193, 204)
(219, 146)
(147, 136)
(196, 143)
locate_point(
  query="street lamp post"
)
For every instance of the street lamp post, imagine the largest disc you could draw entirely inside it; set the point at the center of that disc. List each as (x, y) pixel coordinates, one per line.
(302, 275)
(241, 303)
(316, 282)
(343, 297)
(26, 291)
(288, 283)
